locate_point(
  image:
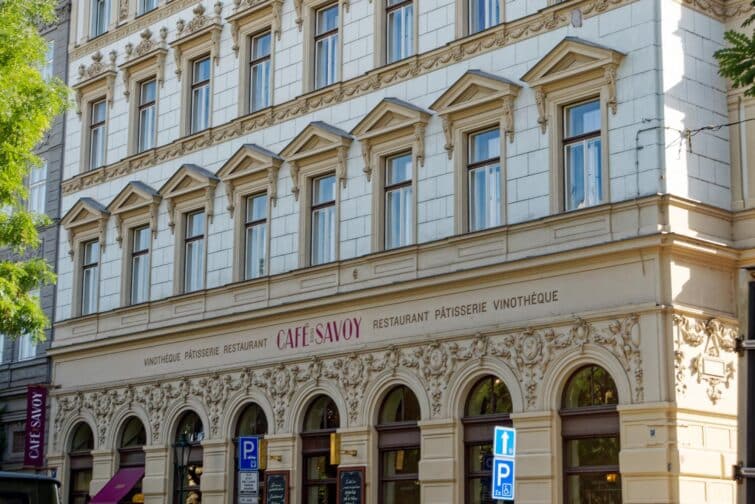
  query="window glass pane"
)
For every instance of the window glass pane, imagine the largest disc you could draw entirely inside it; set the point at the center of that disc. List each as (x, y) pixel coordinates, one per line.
(37, 189)
(2, 346)
(190, 428)
(583, 118)
(200, 111)
(99, 16)
(485, 145)
(255, 250)
(324, 190)
(147, 5)
(148, 92)
(400, 462)
(318, 468)
(399, 169)
(133, 434)
(323, 235)
(260, 86)
(400, 33)
(599, 451)
(401, 492)
(256, 207)
(48, 67)
(146, 128)
(479, 491)
(201, 70)
(484, 197)
(194, 224)
(603, 487)
(26, 347)
(252, 422)
(489, 396)
(89, 290)
(327, 19)
(97, 158)
(590, 386)
(483, 14)
(261, 46)
(400, 405)
(326, 50)
(322, 414)
(99, 110)
(398, 217)
(194, 279)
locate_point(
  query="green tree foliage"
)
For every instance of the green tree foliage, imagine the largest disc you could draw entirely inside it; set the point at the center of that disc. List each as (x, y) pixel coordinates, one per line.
(28, 104)
(737, 62)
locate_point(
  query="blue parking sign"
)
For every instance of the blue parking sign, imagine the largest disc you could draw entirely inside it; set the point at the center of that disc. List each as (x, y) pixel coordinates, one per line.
(504, 442)
(249, 453)
(503, 479)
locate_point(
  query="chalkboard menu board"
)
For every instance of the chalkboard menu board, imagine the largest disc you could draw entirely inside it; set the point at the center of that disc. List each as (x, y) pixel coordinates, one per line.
(351, 485)
(276, 491)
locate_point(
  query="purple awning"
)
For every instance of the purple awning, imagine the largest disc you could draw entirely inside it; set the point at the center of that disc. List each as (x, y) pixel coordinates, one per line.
(118, 486)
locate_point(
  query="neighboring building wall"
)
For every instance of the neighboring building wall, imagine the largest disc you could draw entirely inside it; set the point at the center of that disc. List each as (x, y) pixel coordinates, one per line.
(16, 374)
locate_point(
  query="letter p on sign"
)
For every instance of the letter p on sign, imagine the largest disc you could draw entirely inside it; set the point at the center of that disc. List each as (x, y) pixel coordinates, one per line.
(249, 453)
(503, 479)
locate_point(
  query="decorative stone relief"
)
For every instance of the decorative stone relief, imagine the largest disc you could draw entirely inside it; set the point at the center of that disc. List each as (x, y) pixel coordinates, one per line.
(146, 47)
(528, 353)
(97, 70)
(706, 349)
(200, 24)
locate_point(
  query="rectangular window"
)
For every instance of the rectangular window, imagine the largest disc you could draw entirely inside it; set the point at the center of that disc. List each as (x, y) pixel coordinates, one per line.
(2, 347)
(147, 5)
(326, 46)
(90, 274)
(140, 238)
(324, 219)
(399, 217)
(19, 440)
(259, 72)
(583, 183)
(99, 17)
(483, 14)
(255, 236)
(400, 29)
(97, 134)
(37, 189)
(200, 95)
(47, 69)
(484, 179)
(27, 349)
(194, 243)
(147, 114)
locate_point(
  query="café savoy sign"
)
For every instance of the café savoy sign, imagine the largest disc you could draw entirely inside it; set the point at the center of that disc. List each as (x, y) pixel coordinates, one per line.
(34, 443)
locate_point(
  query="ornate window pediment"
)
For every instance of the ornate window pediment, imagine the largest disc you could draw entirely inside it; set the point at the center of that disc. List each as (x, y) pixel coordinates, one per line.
(572, 63)
(190, 183)
(317, 142)
(249, 11)
(473, 93)
(136, 199)
(391, 119)
(251, 163)
(148, 56)
(202, 30)
(98, 77)
(85, 216)
(300, 4)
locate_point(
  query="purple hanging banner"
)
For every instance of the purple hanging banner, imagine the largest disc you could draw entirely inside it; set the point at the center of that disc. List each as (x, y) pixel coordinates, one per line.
(36, 409)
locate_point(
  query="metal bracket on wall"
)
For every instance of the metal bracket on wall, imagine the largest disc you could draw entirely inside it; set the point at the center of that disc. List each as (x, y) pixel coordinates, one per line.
(741, 473)
(744, 345)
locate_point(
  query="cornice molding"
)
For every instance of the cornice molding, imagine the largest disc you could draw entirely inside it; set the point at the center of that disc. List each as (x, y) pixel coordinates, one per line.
(460, 50)
(720, 10)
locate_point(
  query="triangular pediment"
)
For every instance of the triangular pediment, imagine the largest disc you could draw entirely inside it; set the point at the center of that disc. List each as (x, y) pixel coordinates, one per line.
(187, 179)
(389, 115)
(318, 137)
(84, 212)
(250, 159)
(571, 57)
(474, 88)
(134, 196)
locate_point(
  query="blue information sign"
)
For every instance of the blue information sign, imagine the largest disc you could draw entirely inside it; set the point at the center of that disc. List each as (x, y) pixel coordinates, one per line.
(249, 453)
(504, 442)
(503, 478)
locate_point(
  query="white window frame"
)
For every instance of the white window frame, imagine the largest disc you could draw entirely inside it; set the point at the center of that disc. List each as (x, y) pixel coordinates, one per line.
(390, 13)
(404, 185)
(48, 68)
(249, 226)
(141, 107)
(92, 126)
(96, 31)
(483, 164)
(195, 86)
(186, 241)
(83, 268)
(133, 255)
(37, 186)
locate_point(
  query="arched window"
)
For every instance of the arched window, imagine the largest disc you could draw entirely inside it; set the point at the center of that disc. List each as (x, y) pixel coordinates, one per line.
(590, 432)
(188, 459)
(80, 463)
(488, 404)
(252, 422)
(319, 475)
(399, 447)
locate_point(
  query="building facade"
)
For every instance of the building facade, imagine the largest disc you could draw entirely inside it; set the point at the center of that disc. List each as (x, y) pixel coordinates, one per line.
(369, 231)
(23, 363)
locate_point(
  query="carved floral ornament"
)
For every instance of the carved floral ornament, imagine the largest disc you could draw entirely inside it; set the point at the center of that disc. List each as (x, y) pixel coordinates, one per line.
(246, 9)
(529, 354)
(97, 75)
(147, 52)
(195, 30)
(460, 50)
(706, 349)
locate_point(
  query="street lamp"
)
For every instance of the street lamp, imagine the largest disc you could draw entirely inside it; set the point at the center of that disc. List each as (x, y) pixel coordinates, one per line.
(181, 453)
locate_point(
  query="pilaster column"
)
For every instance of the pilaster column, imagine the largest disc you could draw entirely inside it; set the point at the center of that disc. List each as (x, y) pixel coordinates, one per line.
(537, 435)
(56, 462)
(103, 468)
(282, 456)
(437, 466)
(647, 460)
(158, 477)
(215, 478)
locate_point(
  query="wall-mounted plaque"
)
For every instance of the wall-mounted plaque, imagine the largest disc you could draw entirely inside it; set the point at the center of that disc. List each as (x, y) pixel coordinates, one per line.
(276, 487)
(351, 485)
